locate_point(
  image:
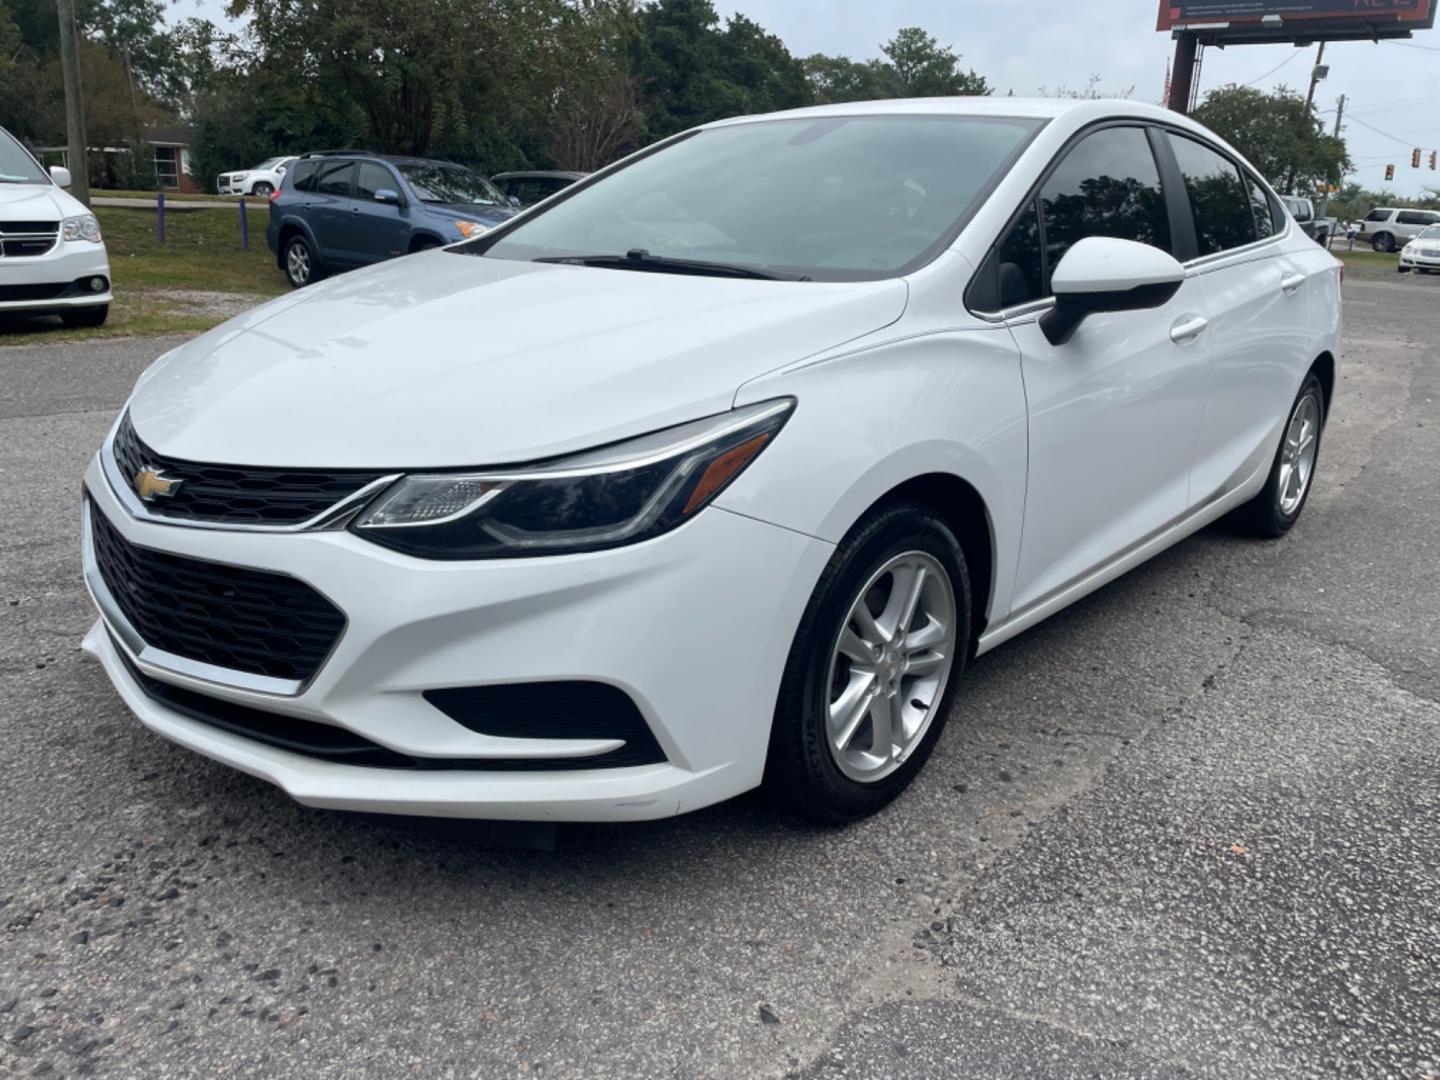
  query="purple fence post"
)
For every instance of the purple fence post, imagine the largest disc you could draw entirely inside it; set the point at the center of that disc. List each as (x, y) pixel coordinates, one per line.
(244, 226)
(160, 216)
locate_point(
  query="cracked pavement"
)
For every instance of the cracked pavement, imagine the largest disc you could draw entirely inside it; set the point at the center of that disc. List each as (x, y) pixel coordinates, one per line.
(1187, 827)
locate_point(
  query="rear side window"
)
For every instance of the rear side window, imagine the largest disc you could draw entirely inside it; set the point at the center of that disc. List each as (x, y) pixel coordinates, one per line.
(302, 175)
(1265, 221)
(1218, 199)
(1107, 185)
(1416, 217)
(334, 178)
(1378, 215)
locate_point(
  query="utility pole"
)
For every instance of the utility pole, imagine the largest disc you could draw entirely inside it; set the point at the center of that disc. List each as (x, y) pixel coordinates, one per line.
(1315, 77)
(1339, 115)
(74, 105)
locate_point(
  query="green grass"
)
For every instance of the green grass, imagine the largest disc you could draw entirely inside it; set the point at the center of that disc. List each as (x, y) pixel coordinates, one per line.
(201, 253)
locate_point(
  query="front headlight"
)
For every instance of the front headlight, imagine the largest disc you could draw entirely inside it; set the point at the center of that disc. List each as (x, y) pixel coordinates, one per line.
(471, 229)
(82, 227)
(602, 499)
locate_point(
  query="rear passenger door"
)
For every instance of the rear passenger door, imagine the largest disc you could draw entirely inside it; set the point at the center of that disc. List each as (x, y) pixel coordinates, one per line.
(1115, 410)
(1257, 291)
(328, 211)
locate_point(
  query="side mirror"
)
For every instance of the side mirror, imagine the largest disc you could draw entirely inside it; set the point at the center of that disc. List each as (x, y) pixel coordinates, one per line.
(388, 195)
(60, 175)
(1101, 274)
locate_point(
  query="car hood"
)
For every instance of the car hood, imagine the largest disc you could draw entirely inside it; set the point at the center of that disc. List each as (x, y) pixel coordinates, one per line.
(448, 360)
(488, 215)
(35, 202)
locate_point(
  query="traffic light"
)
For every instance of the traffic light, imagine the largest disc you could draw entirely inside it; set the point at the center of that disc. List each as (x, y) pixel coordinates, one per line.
(1389, 172)
(1415, 159)
(1433, 155)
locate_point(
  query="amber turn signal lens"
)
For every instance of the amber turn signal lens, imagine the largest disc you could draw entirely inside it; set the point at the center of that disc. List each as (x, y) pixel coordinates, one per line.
(719, 471)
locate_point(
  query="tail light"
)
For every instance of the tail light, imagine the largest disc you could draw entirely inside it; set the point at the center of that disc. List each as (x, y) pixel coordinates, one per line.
(274, 194)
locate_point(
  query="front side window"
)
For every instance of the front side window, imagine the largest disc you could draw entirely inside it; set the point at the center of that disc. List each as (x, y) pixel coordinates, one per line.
(841, 198)
(1107, 185)
(17, 166)
(334, 178)
(1218, 199)
(1021, 269)
(1378, 215)
(452, 185)
(372, 178)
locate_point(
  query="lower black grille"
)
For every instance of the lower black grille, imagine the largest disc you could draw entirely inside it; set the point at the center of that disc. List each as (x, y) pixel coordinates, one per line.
(554, 710)
(322, 740)
(41, 291)
(246, 620)
(237, 494)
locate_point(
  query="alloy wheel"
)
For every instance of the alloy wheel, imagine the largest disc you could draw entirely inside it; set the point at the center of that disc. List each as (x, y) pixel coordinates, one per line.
(1297, 455)
(890, 665)
(297, 263)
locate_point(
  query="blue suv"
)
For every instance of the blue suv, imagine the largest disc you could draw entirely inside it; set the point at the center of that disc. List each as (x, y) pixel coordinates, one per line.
(337, 210)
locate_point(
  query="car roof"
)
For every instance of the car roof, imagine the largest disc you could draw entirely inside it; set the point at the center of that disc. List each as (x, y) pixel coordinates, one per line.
(393, 159)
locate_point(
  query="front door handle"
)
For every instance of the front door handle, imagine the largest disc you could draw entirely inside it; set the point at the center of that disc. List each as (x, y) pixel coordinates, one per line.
(1188, 328)
(1291, 282)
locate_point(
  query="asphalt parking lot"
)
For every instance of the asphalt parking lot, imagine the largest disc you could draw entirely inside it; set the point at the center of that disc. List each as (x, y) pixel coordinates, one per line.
(1190, 826)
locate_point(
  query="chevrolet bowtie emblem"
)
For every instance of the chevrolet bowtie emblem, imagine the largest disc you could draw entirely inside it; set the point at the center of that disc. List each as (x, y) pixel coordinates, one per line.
(152, 484)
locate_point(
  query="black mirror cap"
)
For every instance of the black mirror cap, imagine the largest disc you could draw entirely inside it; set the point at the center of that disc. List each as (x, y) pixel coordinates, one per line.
(1060, 322)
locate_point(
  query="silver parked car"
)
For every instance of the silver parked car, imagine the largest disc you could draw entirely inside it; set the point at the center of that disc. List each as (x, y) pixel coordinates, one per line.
(1388, 228)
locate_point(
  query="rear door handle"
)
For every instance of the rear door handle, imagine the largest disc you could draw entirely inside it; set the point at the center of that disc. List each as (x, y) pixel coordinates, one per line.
(1291, 282)
(1188, 328)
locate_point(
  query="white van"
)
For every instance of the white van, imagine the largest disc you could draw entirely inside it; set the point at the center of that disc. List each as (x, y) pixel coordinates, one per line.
(52, 259)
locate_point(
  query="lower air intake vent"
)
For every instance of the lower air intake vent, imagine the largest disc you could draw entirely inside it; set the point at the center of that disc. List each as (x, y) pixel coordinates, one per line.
(554, 710)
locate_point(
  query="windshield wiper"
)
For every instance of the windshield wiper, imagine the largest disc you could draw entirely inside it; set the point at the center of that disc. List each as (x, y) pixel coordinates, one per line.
(640, 259)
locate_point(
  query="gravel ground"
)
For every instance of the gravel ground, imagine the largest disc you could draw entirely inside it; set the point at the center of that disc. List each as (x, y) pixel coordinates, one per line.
(1188, 827)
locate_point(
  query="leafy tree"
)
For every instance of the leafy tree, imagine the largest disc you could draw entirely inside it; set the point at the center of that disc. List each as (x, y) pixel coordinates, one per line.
(838, 79)
(925, 68)
(1280, 136)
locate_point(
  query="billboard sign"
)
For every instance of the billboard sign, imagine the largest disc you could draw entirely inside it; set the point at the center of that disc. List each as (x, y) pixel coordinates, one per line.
(1415, 14)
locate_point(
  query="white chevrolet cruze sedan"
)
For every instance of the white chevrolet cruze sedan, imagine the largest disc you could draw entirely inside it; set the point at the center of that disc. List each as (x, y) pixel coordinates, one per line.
(714, 471)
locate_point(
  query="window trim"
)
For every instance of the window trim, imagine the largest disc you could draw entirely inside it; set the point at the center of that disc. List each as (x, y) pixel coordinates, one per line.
(1179, 204)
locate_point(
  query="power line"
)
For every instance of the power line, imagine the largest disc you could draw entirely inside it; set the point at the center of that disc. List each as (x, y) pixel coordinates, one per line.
(1392, 138)
(1276, 68)
(1412, 45)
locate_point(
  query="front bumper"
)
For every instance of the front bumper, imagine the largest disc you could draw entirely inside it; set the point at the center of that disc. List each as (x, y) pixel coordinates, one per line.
(695, 626)
(1413, 260)
(62, 268)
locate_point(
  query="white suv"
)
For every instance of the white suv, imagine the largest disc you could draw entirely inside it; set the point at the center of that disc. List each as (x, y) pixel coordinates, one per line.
(1388, 228)
(52, 260)
(262, 181)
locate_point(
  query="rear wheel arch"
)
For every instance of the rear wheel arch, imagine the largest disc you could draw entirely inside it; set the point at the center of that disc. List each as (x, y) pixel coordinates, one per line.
(964, 510)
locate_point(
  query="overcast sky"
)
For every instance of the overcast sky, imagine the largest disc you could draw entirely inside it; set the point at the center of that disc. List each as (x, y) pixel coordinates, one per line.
(1027, 45)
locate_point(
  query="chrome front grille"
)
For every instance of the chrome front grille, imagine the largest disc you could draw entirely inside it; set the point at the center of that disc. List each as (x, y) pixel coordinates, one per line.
(19, 239)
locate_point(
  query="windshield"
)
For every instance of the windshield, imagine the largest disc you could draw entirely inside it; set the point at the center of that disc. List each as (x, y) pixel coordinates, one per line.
(836, 199)
(267, 164)
(1432, 232)
(452, 184)
(16, 166)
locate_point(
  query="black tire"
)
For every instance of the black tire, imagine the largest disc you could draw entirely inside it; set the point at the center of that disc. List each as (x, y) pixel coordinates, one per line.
(801, 775)
(90, 316)
(1262, 516)
(297, 259)
(1383, 242)
(262, 190)
(1403, 269)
